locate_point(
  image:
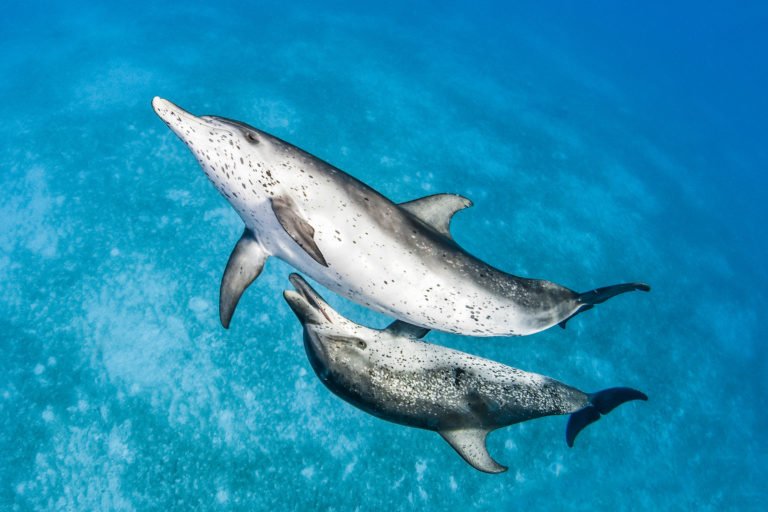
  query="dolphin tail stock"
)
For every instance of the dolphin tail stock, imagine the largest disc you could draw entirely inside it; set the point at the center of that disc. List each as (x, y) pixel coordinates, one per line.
(588, 300)
(600, 403)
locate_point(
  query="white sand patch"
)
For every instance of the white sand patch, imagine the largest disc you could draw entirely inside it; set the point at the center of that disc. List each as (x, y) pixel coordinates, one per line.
(28, 216)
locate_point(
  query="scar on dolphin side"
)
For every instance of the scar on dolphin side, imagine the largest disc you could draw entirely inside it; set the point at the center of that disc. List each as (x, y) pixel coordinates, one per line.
(398, 259)
(390, 374)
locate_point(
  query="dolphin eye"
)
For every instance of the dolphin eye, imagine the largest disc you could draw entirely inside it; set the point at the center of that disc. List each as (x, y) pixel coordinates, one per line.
(251, 137)
(361, 344)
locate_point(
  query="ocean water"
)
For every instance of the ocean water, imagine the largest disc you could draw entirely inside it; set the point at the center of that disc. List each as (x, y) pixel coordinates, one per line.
(600, 144)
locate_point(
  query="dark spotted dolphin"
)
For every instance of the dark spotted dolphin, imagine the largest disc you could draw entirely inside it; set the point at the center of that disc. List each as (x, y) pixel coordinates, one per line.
(398, 259)
(392, 375)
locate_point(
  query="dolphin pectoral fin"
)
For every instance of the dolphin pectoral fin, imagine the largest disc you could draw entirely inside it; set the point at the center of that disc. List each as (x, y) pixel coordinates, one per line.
(470, 444)
(297, 228)
(245, 264)
(400, 328)
(437, 210)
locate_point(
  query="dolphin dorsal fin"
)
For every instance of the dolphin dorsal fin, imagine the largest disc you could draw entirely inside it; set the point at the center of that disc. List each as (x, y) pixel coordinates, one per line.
(437, 210)
(470, 444)
(244, 266)
(400, 328)
(297, 228)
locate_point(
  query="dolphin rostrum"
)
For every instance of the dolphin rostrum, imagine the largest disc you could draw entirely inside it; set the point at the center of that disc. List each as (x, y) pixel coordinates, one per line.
(398, 259)
(392, 375)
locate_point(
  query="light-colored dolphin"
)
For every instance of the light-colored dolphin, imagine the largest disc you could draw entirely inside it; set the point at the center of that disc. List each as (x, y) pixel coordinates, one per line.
(392, 375)
(398, 259)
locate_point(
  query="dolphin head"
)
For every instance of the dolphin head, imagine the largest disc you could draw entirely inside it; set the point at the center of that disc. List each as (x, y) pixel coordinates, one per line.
(338, 348)
(231, 153)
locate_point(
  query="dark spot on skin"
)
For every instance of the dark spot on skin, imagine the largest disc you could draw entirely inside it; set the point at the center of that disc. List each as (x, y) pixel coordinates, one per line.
(458, 373)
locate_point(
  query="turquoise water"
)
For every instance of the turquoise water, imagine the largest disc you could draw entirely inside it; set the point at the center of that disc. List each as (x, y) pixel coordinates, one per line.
(600, 144)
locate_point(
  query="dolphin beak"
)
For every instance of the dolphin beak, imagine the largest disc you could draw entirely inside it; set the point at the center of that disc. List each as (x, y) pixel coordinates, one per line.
(173, 115)
(306, 303)
(301, 308)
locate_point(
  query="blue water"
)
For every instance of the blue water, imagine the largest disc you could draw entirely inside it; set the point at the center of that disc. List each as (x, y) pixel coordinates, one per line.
(599, 143)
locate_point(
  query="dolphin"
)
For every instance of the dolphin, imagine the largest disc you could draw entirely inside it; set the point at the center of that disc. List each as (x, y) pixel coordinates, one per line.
(398, 259)
(392, 375)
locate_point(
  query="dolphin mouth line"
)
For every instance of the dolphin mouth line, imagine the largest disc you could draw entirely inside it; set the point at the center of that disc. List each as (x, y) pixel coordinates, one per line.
(308, 294)
(166, 110)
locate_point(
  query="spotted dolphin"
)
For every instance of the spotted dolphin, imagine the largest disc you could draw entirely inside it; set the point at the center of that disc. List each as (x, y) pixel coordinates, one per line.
(398, 259)
(392, 375)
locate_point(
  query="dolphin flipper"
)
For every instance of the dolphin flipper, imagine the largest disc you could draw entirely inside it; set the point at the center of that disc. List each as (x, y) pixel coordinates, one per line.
(297, 228)
(244, 266)
(437, 210)
(470, 444)
(400, 328)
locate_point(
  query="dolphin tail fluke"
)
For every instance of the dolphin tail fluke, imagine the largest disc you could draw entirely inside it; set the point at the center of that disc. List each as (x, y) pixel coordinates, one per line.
(600, 295)
(600, 403)
(589, 299)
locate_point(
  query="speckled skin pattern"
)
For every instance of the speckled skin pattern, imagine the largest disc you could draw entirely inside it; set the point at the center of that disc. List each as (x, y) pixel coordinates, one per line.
(378, 254)
(428, 386)
(406, 381)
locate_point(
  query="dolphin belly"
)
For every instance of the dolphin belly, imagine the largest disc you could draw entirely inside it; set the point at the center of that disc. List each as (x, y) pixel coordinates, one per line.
(394, 280)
